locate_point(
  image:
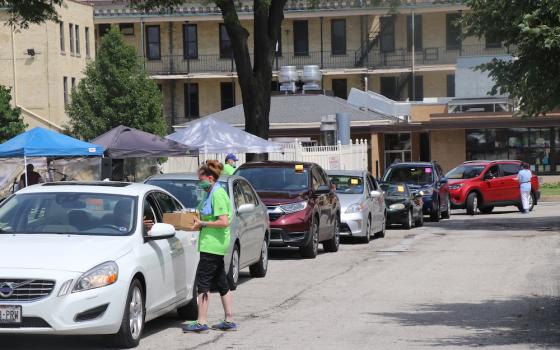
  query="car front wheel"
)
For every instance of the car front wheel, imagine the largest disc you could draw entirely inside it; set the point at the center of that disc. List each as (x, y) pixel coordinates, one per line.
(408, 223)
(133, 319)
(332, 244)
(311, 250)
(472, 203)
(233, 273)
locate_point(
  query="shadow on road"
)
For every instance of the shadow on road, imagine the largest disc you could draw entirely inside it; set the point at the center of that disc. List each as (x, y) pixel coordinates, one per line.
(525, 320)
(499, 222)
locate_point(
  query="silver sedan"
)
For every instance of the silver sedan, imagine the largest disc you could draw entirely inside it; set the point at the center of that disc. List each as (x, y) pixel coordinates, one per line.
(249, 230)
(362, 204)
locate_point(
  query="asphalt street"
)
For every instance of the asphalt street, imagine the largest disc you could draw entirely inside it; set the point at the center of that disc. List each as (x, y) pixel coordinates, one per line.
(489, 281)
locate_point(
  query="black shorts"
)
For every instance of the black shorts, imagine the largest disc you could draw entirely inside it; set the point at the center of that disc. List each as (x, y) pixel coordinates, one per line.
(211, 274)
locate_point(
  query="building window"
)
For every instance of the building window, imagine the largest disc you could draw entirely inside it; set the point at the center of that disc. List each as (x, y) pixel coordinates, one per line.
(71, 27)
(160, 87)
(389, 87)
(62, 46)
(227, 94)
(65, 90)
(191, 101)
(153, 42)
(225, 42)
(417, 32)
(73, 80)
(492, 42)
(126, 28)
(397, 148)
(418, 93)
(77, 27)
(453, 31)
(338, 37)
(86, 32)
(190, 41)
(103, 28)
(451, 85)
(387, 34)
(301, 38)
(340, 88)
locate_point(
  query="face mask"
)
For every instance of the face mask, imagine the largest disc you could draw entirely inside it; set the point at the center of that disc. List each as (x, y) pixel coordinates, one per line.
(204, 185)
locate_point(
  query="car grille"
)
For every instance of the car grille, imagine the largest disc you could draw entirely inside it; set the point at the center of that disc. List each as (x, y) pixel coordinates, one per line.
(31, 290)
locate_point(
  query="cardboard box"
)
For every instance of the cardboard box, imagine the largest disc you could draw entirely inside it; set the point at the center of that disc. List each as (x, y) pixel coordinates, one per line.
(181, 221)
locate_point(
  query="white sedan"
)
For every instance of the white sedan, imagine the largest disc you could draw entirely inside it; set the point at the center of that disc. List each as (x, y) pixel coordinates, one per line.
(76, 258)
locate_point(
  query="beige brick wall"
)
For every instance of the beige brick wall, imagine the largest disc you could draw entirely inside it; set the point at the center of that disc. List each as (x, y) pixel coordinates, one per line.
(448, 148)
(37, 82)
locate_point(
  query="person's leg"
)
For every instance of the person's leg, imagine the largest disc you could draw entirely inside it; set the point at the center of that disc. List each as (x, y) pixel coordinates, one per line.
(227, 303)
(203, 302)
(525, 200)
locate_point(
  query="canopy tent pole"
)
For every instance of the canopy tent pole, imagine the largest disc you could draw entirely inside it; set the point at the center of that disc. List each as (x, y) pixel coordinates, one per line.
(25, 168)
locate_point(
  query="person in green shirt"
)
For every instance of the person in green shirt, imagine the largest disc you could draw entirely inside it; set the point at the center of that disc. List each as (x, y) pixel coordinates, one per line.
(213, 245)
(229, 166)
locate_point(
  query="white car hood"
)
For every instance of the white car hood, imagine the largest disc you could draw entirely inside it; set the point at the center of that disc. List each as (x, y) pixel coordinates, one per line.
(77, 253)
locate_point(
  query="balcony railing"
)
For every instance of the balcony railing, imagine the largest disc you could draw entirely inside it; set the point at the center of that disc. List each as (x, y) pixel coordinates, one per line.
(375, 59)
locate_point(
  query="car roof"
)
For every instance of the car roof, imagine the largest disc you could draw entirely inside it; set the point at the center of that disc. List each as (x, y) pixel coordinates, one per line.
(347, 172)
(102, 187)
(276, 163)
(408, 164)
(188, 176)
(485, 162)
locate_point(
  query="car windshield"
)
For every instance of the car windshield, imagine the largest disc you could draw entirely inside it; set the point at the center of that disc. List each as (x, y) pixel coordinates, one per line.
(465, 172)
(421, 175)
(394, 190)
(69, 213)
(186, 191)
(346, 184)
(276, 178)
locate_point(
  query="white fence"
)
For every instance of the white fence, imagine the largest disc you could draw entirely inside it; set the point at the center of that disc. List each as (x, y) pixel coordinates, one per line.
(353, 156)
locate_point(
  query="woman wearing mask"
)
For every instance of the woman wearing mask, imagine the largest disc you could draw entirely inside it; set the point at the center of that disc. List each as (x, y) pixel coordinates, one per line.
(213, 244)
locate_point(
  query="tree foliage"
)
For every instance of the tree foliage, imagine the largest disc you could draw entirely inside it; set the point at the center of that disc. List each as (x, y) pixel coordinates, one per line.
(115, 91)
(25, 12)
(532, 28)
(11, 121)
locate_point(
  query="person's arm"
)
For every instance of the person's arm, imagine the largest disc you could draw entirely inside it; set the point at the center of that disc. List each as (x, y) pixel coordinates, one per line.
(223, 221)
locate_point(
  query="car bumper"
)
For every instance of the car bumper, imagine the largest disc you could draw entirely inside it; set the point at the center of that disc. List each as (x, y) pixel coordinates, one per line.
(291, 230)
(397, 216)
(57, 315)
(352, 224)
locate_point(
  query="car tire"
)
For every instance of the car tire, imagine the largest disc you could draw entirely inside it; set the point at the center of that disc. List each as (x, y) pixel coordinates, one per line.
(487, 209)
(435, 216)
(258, 269)
(333, 244)
(365, 239)
(311, 250)
(472, 203)
(233, 271)
(408, 223)
(420, 221)
(189, 312)
(381, 233)
(134, 318)
(447, 213)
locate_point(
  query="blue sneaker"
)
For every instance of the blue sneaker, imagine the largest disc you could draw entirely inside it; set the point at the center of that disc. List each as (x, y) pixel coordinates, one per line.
(225, 326)
(195, 327)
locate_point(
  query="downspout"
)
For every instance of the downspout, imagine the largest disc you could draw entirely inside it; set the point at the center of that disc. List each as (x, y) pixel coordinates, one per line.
(142, 44)
(171, 68)
(413, 58)
(14, 66)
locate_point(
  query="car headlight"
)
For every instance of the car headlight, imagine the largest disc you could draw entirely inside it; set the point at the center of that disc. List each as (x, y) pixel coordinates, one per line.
(396, 206)
(293, 207)
(455, 186)
(100, 276)
(354, 208)
(427, 191)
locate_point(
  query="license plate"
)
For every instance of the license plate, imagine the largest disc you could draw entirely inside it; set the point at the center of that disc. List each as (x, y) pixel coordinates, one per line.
(10, 314)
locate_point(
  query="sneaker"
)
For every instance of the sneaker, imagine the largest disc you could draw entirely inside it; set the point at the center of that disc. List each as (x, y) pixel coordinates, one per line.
(225, 326)
(195, 327)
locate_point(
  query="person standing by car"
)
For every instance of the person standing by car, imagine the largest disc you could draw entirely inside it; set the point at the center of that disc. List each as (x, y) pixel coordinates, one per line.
(216, 215)
(33, 177)
(524, 177)
(229, 166)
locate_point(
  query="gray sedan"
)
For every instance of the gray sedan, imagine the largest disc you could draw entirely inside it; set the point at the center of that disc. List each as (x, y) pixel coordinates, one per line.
(362, 204)
(250, 232)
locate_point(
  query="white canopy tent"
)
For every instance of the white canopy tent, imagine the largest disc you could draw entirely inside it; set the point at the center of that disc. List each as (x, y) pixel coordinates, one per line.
(210, 135)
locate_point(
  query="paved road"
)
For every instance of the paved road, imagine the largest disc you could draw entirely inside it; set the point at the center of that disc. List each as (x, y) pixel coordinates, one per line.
(485, 281)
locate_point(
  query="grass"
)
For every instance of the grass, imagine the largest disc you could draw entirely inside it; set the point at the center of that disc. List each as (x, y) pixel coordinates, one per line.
(552, 189)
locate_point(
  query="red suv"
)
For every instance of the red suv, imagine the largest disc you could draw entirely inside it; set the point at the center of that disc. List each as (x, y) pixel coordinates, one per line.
(302, 206)
(484, 185)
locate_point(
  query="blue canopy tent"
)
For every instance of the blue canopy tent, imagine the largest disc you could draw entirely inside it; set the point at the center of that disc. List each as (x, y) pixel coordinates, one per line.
(39, 142)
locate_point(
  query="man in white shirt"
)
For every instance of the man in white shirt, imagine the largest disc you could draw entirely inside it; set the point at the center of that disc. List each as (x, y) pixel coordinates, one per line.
(524, 177)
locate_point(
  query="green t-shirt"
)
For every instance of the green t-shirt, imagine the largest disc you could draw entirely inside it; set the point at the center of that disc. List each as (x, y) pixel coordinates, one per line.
(215, 240)
(228, 169)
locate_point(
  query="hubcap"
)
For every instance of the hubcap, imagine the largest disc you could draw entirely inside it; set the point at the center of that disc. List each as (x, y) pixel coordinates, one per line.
(337, 232)
(368, 228)
(316, 239)
(409, 219)
(136, 313)
(475, 203)
(264, 254)
(530, 201)
(235, 264)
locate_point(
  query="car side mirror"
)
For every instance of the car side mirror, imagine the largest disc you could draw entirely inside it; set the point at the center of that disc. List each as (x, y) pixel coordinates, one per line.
(375, 194)
(323, 189)
(161, 231)
(246, 208)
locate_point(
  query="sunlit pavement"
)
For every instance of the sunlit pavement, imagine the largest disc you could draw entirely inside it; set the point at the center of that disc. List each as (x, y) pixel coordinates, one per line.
(487, 281)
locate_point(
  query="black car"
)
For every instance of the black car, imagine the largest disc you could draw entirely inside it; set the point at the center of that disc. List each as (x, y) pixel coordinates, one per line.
(425, 177)
(404, 206)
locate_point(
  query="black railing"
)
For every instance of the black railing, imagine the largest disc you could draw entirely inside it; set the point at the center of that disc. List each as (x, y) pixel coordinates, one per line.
(400, 58)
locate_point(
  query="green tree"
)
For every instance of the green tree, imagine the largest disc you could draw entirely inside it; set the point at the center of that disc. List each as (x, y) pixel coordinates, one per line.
(115, 91)
(533, 29)
(22, 13)
(11, 121)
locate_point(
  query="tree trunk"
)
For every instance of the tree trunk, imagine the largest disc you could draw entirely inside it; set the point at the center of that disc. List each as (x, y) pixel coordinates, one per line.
(255, 79)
